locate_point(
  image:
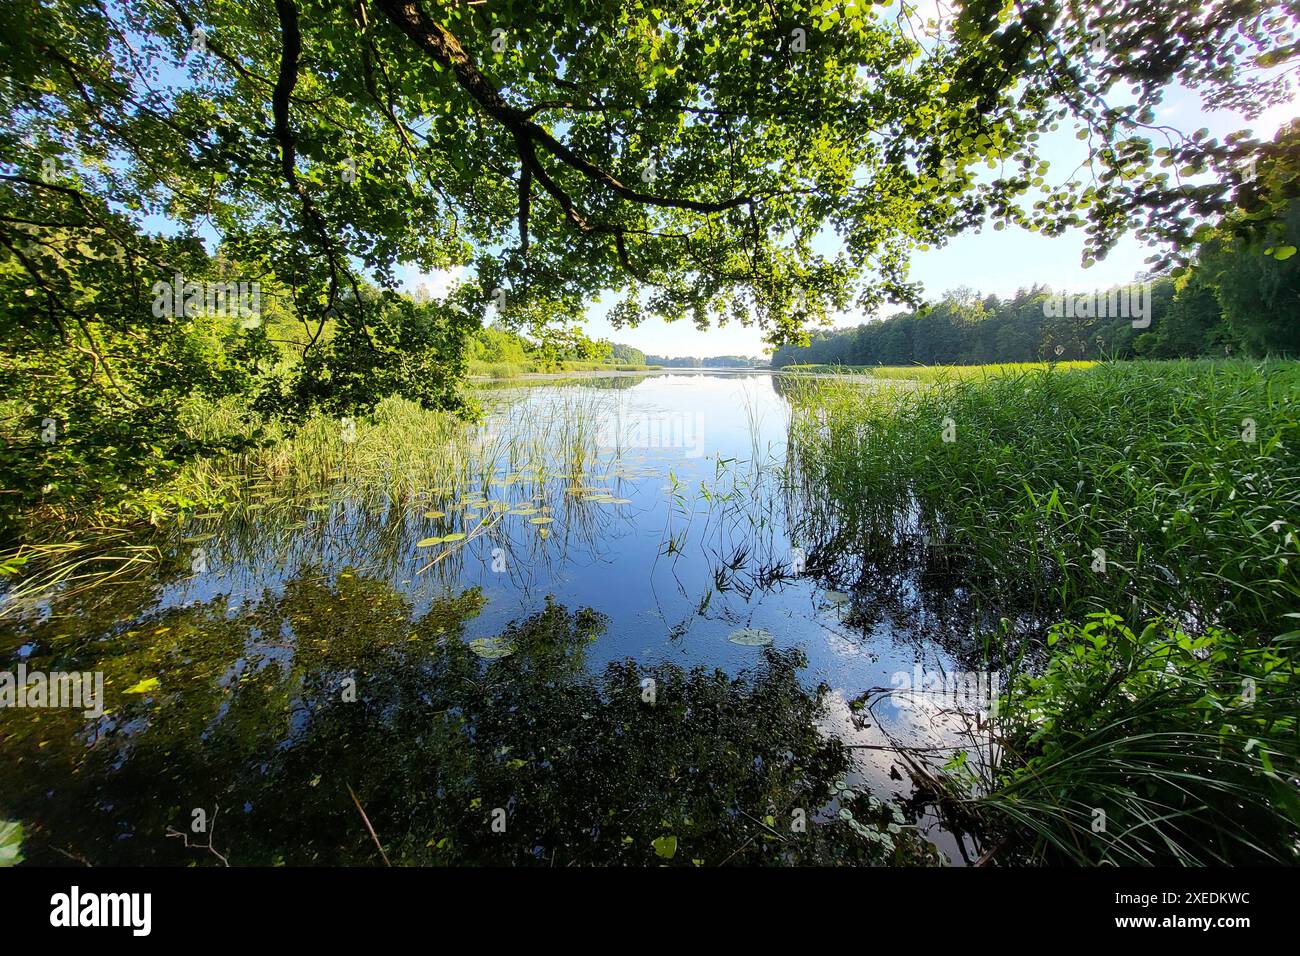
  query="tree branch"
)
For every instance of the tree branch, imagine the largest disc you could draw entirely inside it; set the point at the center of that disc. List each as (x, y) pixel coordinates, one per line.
(438, 41)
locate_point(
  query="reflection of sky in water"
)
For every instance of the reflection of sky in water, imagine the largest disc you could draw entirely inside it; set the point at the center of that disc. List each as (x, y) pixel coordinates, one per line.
(665, 506)
(727, 433)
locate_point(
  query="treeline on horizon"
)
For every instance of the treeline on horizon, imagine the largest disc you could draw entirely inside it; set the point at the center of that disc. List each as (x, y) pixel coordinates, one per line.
(504, 347)
(627, 354)
(1236, 300)
(712, 361)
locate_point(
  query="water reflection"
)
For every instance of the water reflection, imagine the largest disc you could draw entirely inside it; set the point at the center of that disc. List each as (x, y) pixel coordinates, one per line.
(389, 560)
(251, 718)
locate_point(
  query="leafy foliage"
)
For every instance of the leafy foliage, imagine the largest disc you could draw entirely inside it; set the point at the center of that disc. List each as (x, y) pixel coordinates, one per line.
(1258, 282)
(1152, 747)
(11, 843)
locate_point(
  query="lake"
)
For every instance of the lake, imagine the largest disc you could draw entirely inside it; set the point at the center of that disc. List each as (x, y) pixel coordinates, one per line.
(606, 625)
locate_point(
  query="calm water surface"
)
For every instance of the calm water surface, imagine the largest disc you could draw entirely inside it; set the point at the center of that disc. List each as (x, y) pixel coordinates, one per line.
(581, 679)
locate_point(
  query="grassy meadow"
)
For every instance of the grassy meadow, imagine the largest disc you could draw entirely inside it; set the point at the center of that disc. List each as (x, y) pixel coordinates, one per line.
(931, 373)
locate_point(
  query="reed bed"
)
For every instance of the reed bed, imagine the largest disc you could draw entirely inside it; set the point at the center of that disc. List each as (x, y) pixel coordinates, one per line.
(1150, 508)
(384, 468)
(934, 373)
(1147, 488)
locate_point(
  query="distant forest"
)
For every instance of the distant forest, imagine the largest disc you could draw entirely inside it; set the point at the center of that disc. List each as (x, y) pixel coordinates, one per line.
(965, 329)
(713, 361)
(1236, 300)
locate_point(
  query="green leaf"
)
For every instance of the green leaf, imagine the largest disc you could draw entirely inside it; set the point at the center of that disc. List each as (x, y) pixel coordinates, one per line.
(144, 686)
(751, 637)
(11, 842)
(492, 648)
(665, 846)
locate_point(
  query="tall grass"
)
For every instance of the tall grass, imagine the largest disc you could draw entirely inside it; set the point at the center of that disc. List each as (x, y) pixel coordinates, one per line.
(1155, 489)
(1152, 509)
(934, 373)
(386, 464)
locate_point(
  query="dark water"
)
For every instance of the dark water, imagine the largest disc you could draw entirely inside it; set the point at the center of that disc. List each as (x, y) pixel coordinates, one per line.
(569, 691)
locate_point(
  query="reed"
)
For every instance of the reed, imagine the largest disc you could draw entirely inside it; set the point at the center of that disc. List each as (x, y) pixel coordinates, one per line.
(1154, 489)
(1150, 508)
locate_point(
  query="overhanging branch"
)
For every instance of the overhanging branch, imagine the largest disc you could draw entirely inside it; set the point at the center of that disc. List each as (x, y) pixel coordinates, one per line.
(409, 17)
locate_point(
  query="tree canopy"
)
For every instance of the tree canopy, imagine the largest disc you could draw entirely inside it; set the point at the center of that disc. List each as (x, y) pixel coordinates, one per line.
(759, 161)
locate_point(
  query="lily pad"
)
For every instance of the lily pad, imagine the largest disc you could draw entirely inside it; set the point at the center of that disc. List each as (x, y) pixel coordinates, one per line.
(751, 637)
(492, 648)
(541, 519)
(665, 846)
(435, 514)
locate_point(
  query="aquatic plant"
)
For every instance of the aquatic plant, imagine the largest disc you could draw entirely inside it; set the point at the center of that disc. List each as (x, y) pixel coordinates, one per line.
(1149, 509)
(1152, 488)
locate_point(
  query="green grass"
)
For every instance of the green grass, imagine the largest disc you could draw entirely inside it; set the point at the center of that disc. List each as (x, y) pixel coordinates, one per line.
(401, 453)
(1152, 746)
(932, 373)
(1186, 475)
(1185, 478)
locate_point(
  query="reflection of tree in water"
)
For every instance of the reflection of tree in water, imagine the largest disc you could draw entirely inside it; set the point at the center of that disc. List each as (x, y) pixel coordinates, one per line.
(250, 714)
